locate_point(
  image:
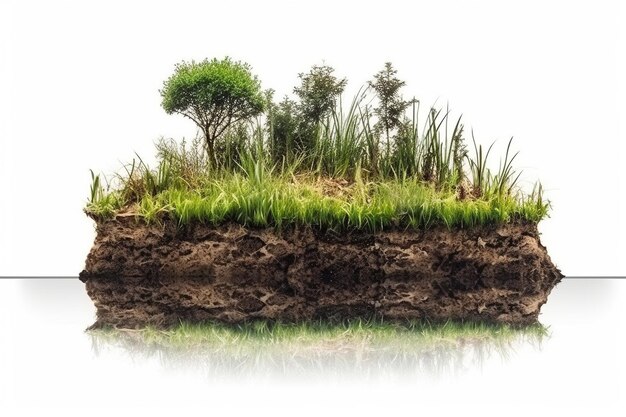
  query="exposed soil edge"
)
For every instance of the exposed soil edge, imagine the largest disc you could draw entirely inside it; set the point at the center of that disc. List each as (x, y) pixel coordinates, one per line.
(142, 274)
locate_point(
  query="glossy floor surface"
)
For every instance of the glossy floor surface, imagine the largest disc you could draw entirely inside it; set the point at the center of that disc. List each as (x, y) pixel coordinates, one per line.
(49, 362)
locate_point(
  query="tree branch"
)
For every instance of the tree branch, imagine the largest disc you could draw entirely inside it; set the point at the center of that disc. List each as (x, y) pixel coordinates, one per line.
(187, 115)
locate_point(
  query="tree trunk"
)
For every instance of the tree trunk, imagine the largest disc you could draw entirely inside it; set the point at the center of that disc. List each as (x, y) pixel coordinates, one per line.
(210, 147)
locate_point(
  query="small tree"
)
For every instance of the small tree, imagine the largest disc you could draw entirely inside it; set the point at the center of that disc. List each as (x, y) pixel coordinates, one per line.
(392, 107)
(215, 94)
(318, 92)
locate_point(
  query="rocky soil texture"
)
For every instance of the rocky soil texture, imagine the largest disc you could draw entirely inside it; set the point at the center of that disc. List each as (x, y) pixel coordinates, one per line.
(142, 274)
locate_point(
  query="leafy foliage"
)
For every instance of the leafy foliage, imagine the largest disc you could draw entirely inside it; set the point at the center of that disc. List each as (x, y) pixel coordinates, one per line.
(214, 94)
(391, 108)
(318, 92)
(283, 129)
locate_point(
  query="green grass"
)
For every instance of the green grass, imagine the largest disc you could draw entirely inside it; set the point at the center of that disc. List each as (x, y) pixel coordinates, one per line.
(271, 200)
(348, 180)
(314, 333)
(372, 206)
(366, 347)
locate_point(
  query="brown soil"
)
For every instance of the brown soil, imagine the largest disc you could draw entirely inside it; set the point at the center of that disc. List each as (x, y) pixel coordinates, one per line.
(139, 274)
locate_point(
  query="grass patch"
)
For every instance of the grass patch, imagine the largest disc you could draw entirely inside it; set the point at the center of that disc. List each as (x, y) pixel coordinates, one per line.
(280, 201)
(320, 334)
(348, 178)
(364, 349)
(259, 195)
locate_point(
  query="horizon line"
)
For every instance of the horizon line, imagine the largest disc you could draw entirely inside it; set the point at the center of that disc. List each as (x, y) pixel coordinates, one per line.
(76, 276)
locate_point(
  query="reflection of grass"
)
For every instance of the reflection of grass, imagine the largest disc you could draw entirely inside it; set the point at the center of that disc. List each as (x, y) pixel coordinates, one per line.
(365, 347)
(320, 335)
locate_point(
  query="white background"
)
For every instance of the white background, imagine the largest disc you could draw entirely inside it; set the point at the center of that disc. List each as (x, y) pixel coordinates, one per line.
(79, 88)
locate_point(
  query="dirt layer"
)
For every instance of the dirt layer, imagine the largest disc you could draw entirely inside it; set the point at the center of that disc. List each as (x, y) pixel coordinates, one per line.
(139, 274)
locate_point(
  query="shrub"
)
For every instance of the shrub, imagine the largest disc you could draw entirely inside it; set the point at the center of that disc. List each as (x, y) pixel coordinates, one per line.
(318, 93)
(283, 129)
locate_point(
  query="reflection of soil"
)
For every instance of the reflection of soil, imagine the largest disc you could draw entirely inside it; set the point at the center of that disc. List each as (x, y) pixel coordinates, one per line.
(363, 357)
(140, 274)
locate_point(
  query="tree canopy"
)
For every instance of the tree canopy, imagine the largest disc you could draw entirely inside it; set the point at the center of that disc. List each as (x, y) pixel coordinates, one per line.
(215, 94)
